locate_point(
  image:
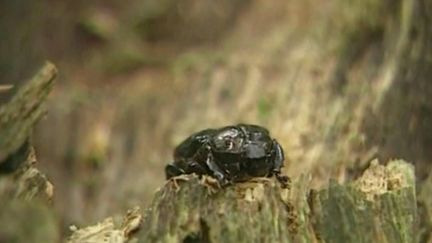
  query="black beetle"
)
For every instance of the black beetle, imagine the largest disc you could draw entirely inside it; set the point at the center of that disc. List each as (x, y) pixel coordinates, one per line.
(229, 154)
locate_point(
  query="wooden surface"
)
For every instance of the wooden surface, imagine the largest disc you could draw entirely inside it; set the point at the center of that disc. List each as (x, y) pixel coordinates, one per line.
(26, 194)
(18, 117)
(378, 207)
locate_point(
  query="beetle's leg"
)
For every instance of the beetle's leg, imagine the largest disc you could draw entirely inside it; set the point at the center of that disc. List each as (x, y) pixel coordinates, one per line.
(172, 170)
(197, 168)
(214, 168)
(217, 172)
(283, 180)
(198, 163)
(278, 160)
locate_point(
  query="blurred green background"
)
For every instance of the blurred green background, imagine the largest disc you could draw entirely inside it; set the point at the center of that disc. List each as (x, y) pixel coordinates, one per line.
(138, 76)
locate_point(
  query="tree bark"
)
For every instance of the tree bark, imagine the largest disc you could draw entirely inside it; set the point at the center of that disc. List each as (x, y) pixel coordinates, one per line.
(18, 117)
(380, 206)
(25, 193)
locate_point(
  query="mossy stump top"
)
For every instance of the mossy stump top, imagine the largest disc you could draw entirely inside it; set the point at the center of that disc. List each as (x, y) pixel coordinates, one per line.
(380, 206)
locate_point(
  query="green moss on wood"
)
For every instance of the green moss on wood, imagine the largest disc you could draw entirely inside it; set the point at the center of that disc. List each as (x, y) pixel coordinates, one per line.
(18, 117)
(192, 210)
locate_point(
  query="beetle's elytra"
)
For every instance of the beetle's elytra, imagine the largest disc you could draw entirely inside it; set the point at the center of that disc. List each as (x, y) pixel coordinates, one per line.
(230, 154)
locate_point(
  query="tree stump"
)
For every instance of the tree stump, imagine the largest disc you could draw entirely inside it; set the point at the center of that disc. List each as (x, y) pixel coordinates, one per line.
(380, 206)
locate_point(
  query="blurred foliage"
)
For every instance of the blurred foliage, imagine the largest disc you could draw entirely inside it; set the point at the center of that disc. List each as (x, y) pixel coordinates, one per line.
(264, 108)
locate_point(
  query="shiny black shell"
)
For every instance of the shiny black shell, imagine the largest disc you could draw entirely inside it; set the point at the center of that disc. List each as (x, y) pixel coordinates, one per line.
(230, 154)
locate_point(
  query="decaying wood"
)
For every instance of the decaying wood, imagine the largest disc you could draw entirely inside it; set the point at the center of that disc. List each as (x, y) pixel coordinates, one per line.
(425, 210)
(5, 87)
(107, 231)
(378, 207)
(27, 182)
(25, 215)
(18, 117)
(17, 156)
